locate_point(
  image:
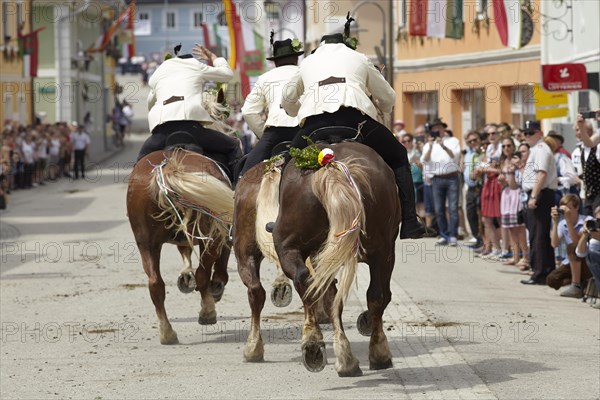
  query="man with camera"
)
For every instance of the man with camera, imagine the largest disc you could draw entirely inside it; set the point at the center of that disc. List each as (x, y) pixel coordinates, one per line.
(589, 247)
(442, 152)
(472, 156)
(539, 182)
(590, 161)
(568, 231)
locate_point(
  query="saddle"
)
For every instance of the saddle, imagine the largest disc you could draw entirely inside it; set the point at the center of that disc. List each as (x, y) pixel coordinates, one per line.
(184, 140)
(335, 134)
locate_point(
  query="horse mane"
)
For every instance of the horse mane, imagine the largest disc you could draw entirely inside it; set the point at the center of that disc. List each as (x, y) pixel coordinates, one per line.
(345, 209)
(218, 112)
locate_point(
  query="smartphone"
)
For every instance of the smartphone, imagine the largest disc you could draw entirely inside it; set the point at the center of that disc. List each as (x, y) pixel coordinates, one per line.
(420, 139)
(517, 154)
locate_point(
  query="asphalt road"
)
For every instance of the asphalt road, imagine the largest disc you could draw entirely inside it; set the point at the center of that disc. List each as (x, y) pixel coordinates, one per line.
(77, 320)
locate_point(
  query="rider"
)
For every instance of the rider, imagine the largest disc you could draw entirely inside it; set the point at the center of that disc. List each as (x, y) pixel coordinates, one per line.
(332, 88)
(175, 102)
(266, 95)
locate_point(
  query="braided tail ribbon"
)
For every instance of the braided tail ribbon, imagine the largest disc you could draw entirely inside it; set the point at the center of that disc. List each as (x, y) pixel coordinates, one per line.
(172, 196)
(356, 222)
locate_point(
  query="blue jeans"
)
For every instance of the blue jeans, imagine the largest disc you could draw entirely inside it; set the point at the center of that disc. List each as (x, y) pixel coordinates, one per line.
(446, 188)
(593, 262)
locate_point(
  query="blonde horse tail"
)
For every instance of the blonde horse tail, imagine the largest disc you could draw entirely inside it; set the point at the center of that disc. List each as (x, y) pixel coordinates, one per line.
(267, 208)
(185, 197)
(340, 195)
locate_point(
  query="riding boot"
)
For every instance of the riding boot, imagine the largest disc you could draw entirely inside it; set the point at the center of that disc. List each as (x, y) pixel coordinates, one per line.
(411, 227)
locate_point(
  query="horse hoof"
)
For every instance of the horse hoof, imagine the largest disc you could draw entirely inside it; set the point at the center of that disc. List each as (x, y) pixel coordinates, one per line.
(170, 338)
(364, 323)
(207, 320)
(217, 288)
(381, 364)
(314, 356)
(356, 371)
(186, 283)
(281, 295)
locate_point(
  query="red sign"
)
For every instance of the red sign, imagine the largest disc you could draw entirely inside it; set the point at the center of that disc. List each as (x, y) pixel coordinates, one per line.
(564, 77)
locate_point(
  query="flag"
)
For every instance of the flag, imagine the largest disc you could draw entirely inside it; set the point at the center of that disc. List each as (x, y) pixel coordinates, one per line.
(436, 18)
(507, 15)
(116, 27)
(29, 51)
(235, 40)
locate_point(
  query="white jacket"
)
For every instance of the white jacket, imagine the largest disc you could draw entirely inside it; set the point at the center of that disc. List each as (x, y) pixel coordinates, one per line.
(304, 97)
(266, 94)
(182, 77)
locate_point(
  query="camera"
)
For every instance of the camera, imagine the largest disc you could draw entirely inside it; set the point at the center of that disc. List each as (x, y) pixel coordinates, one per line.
(517, 154)
(420, 139)
(592, 225)
(588, 114)
(434, 134)
(560, 211)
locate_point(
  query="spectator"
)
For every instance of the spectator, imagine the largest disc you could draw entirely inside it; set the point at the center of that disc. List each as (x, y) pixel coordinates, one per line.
(491, 194)
(81, 141)
(567, 175)
(581, 152)
(540, 182)
(471, 158)
(54, 156)
(560, 141)
(28, 149)
(568, 231)
(590, 163)
(511, 207)
(589, 247)
(398, 130)
(443, 152)
(128, 114)
(416, 169)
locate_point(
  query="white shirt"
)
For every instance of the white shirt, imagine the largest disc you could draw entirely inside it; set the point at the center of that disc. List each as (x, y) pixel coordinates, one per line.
(27, 149)
(266, 94)
(80, 140)
(540, 159)
(304, 96)
(568, 173)
(43, 149)
(54, 147)
(440, 162)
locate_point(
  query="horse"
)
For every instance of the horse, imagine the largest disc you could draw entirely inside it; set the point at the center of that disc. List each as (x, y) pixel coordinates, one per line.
(343, 213)
(183, 198)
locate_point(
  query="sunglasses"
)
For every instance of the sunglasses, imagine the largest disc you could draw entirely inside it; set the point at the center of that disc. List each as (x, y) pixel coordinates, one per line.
(506, 145)
(472, 141)
(529, 133)
(407, 141)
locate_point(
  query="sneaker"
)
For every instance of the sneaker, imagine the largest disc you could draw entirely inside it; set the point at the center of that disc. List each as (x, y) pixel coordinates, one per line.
(473, 240)
(441, 242)
(572, 291)
(506, 254)
(453, 242)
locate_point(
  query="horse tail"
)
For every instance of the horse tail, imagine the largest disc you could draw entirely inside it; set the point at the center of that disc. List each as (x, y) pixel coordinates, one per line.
(267, 208)
(185, 197)
(338, 187)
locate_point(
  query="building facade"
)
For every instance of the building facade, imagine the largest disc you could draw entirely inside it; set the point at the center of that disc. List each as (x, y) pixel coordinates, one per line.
(15, 83)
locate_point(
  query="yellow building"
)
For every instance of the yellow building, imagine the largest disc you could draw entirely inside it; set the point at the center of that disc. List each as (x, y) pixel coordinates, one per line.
(16, 87)
(467, 82)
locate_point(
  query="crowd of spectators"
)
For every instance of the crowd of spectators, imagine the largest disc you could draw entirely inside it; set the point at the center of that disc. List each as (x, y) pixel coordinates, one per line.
(35, 155)
(528, 201)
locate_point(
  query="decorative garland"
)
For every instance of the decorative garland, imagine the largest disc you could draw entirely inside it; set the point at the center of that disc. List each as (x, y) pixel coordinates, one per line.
(272, 163)
(308, 157)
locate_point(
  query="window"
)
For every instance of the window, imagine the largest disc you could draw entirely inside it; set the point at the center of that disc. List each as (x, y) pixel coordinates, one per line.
(197, 19)
(143, 16)
(20, 15)
(473, 109)
(5, 21)
(171, 20)
(522, 104)
(425, 107)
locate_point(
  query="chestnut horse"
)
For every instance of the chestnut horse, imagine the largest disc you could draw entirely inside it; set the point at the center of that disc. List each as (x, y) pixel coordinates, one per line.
(336, 216)
(186, 199)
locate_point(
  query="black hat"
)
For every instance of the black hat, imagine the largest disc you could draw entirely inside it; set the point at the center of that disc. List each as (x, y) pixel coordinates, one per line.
(532, 126)
(333, 38)
(437, 121)
(283, 48)
(556, 136)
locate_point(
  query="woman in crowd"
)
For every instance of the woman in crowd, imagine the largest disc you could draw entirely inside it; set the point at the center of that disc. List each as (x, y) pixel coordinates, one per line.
(511, 207)
(416, 169)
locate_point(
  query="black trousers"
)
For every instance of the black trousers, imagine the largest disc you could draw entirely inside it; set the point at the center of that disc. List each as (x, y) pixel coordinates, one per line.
(79, 163)
(270, 138)
(375, 135)
(474, 210)
(212, 141)
(539, 221)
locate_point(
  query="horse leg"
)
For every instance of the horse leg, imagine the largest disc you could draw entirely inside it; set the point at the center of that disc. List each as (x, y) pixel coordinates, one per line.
(378, 297)
(313, 346)
(156, 285)
(249, 270)
(186, 281)
(208, 313)
(346, 364)
(220, 277)
(281, 293)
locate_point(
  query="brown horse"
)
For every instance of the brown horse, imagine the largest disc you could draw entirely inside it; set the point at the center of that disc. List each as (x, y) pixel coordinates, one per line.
(182, 198)
(337, 216)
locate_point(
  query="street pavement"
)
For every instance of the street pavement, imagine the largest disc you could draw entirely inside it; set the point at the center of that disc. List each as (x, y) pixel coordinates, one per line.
(77, 320)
